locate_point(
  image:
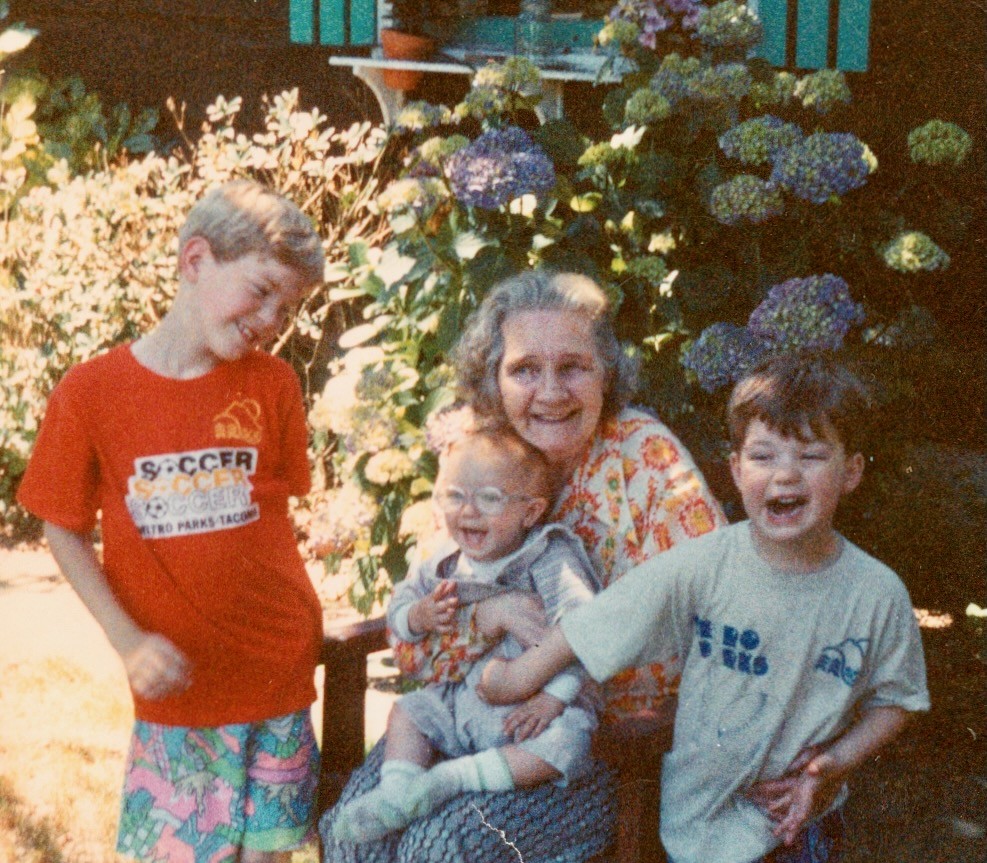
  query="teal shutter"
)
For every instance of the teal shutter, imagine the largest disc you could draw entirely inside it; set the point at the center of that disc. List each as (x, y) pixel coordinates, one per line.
(341, 22)
(301, 25)
(810, 40)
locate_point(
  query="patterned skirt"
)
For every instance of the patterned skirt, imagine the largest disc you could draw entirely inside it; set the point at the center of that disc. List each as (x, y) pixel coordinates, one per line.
(547, 824)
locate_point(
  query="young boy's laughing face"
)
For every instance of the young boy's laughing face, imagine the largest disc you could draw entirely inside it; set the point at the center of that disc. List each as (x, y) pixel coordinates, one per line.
(791, 487)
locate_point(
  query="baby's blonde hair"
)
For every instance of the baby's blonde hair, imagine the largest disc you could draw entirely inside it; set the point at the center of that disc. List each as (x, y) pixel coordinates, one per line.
(529, 462)
(244, 217)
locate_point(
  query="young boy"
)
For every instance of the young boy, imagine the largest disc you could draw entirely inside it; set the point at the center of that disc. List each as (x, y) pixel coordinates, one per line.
(493, 491)
(187, 443)
(801, 652)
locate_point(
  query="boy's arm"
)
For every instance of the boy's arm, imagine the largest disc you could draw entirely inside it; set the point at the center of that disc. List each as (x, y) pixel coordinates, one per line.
(155, 667)
(508, 682)
(817, 774)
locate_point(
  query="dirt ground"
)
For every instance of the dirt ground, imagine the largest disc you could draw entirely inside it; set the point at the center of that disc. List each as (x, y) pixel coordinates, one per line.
(924, 800)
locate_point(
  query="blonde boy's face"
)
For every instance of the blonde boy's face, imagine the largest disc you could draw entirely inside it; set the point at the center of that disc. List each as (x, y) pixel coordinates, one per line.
(791, 488)
(242, 304)
(463, 490)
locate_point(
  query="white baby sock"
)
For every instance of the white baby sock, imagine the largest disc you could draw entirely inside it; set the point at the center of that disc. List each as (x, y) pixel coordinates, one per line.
(382, 810)
(485, 771)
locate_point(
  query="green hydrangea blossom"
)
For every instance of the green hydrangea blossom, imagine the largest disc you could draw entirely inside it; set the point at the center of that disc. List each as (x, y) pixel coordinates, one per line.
(620, 32)
(724, 82)
(515, 73)
(646, 106)
(745, 198)
(729, 24)
(437, 149)
(914, 252)
(416, 116)
(939, 143)
(651, 268)
(774, 93)
(823, 90)
(759, 140)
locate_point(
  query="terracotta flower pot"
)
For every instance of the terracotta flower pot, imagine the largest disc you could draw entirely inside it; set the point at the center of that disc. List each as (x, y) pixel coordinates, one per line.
(404, 46)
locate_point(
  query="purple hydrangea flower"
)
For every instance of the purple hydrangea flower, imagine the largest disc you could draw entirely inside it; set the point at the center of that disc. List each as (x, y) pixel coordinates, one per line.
(723, 354)
(814, 313)
(823, 165)
(498, 167)
(656, 16)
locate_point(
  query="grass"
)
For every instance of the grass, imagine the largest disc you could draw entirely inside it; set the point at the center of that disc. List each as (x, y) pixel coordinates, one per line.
(63, 746)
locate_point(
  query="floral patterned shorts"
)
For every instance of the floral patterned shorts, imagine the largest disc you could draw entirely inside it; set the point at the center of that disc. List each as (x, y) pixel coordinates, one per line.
(198, 795)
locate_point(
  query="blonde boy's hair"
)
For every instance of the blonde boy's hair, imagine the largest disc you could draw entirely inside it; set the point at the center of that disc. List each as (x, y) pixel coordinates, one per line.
(244, 217)
(794, 392)
(530, 462)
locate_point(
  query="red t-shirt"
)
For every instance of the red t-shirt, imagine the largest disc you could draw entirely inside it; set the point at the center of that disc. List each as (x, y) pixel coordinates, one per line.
(192, 479)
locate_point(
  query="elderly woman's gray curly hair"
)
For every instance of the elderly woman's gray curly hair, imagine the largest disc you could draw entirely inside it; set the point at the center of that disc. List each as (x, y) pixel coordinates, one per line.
(481, 347)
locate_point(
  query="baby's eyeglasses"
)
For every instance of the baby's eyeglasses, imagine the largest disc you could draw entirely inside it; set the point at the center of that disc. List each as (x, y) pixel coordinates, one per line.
(488, 500)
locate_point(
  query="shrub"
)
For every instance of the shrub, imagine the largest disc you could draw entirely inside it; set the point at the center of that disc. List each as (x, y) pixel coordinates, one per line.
(726, 213)
(89, 260)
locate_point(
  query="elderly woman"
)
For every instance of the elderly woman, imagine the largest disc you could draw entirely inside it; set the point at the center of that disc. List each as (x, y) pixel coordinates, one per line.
(541, 354)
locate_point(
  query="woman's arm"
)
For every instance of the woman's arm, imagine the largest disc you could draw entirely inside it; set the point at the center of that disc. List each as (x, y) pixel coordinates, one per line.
(155, 667)
(508, 682)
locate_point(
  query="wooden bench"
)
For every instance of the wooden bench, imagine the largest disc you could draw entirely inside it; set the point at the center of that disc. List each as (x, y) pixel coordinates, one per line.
(634, 750)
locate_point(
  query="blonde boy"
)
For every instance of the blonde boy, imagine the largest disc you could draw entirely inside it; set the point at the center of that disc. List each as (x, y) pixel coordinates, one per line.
(184, 447)
(801, 652)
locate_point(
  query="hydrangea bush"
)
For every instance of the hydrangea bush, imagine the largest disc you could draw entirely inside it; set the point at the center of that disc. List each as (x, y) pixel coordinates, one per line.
(726, 211)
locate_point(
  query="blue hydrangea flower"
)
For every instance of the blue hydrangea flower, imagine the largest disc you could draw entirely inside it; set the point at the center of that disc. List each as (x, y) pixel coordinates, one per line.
(498, 167)
(745, 198)
(723, 354)
(814, 313)
(760, 140)
(823, 165)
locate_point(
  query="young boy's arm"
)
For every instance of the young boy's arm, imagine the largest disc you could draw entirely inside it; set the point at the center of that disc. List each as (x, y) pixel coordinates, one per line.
(817, 774)
(155, 667)
(508, 682)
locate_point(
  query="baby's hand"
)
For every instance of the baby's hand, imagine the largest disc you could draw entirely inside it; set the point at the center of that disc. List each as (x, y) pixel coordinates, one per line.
(808, 788)
(437, 611)
(532, 717)
(156, 668)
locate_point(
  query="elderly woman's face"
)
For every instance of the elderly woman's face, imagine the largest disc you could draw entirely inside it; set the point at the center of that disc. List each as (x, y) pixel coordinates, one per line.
(551, 382)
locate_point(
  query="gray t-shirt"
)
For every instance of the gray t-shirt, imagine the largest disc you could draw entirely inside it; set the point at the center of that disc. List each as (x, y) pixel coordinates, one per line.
(773, 662)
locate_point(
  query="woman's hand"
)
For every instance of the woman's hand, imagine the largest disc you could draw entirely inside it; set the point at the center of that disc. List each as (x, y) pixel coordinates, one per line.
(437, 611)
(156, 668)
(518, 613)
(533, 717)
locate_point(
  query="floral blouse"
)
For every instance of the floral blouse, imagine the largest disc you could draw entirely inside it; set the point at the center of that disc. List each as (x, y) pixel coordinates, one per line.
(636, 494)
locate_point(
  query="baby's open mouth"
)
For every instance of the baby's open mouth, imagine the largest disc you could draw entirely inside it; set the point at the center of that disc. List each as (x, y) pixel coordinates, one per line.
(785, 505)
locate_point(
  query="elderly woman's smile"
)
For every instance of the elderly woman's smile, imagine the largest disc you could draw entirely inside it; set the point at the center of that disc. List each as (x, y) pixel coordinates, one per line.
(552, 382)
